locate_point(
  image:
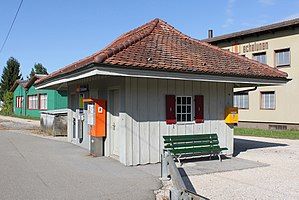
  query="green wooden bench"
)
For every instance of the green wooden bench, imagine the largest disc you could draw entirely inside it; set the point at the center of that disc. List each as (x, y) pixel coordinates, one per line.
(193, 145)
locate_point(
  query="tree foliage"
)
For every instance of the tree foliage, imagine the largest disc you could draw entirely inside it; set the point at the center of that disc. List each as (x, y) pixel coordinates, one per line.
(7, 108)
(11, 73)
(37, 69)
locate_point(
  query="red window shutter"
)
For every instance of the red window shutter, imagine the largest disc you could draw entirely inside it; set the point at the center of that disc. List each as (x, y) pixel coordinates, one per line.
(199, 111)
(170, 109)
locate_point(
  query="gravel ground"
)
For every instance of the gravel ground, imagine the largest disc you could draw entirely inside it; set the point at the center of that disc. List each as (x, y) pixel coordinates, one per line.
(14, 123)
(278, 180)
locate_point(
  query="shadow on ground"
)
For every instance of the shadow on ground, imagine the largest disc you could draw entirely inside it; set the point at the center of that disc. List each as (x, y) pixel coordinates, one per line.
(242, 145)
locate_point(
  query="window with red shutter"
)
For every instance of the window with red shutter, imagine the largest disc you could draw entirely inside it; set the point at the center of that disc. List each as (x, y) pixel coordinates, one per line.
(170, 109)
(199, 109)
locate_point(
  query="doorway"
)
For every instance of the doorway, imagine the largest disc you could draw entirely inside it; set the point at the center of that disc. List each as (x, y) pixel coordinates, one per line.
(114, 109)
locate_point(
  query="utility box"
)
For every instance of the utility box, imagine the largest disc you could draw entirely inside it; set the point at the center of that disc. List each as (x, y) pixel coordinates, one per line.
(231, 115)
(96, 120)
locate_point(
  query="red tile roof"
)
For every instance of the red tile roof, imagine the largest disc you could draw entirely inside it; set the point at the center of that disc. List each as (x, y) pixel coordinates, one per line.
(158, 46)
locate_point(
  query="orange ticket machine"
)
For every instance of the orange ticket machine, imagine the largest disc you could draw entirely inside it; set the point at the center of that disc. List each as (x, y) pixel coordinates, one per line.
(96, 120)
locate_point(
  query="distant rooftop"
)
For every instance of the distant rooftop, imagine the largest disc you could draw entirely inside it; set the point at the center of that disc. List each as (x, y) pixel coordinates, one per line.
(263, 29)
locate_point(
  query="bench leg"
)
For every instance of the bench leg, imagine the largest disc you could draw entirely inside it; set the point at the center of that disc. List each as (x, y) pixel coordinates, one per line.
(179, 160)
(219, 156)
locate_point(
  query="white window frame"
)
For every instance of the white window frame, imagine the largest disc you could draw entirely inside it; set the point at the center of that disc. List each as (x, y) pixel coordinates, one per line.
(276, 52)
(19, 101)
(184, 113)
(33, 102)
(265, 101)
(237, 101)
(43, 101)
(256, 56)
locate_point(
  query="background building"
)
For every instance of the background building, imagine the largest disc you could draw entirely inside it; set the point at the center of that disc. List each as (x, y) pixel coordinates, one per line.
(277, 45)
(28, 101)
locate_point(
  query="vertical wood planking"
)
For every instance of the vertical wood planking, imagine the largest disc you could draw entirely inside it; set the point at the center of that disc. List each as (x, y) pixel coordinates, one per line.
(205, 87)
(129, 123)
(143, 123)
(153, 117)
(135, 121)
(213, 107)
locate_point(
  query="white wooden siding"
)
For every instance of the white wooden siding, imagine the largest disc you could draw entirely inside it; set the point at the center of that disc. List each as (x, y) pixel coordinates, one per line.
(145, 115)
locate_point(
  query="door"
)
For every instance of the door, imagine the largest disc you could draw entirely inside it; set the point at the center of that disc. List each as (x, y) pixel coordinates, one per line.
(114, 120)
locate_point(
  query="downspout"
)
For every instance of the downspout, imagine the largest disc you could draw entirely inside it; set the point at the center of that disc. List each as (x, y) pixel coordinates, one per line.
(248, 90)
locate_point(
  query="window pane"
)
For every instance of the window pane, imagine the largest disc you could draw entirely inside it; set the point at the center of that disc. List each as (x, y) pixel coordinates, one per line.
(188, 109)
(183, 100)
(189, 100)
(179, 110)
(179, 100)
(183, 117)
(184, 109)
(179, 117)
(189, 117)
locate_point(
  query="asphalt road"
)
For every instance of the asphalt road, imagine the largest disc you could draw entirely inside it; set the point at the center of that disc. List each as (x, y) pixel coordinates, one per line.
(37, 168)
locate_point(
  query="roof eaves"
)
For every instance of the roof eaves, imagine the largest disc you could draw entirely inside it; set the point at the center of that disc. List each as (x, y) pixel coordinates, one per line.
(261, 29)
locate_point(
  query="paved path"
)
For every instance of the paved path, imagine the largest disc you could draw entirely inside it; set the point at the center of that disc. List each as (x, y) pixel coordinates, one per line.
(36, 168)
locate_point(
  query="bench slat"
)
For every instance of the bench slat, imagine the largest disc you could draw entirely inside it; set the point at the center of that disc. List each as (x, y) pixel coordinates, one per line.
(207, 150)
(187, 138)
(189, 144)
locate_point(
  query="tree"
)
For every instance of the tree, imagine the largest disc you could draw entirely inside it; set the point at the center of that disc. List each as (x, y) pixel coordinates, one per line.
(37, 69)
(10, 74)
(7, 107)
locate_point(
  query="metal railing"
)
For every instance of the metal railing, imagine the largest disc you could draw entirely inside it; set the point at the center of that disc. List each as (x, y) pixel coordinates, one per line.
(169, 171)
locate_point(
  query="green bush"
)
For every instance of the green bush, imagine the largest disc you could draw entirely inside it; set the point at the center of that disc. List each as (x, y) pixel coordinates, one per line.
(7, 108)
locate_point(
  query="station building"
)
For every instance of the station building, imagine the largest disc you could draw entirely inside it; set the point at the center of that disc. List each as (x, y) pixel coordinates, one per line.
(150, 82)
(276, 45)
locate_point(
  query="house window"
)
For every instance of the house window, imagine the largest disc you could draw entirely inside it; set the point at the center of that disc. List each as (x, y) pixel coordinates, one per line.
(282, 58)
(184, 108)
(19, 102)
(32, 102)
(268, 100)
(241, 100)
(43, 99)
(260, 57)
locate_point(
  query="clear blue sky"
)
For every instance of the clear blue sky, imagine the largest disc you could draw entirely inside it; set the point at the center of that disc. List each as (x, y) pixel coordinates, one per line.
(59, 32)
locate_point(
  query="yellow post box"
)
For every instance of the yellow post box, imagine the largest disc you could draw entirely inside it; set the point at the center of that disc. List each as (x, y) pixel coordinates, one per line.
(231, 115)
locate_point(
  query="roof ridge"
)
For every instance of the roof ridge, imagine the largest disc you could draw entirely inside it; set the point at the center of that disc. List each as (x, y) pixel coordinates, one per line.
(109, 51)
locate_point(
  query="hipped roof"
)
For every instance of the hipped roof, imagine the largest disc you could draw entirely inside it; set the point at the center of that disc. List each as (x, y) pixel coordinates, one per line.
(157, 45)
